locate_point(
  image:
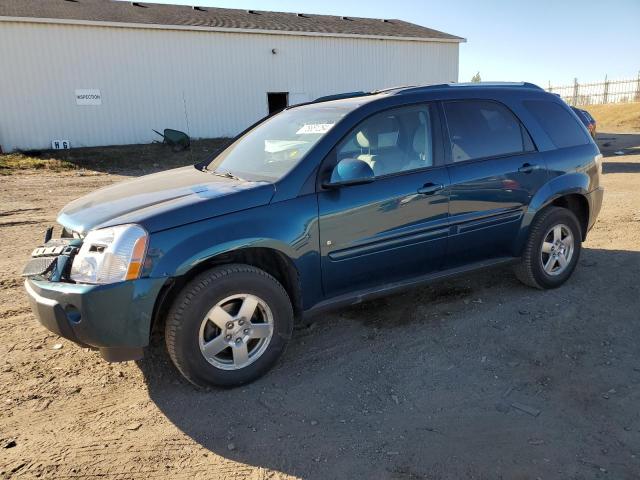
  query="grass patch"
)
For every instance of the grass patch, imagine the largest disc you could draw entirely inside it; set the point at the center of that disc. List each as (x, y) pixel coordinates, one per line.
(120, 159)
(14, 162)
(616, 117)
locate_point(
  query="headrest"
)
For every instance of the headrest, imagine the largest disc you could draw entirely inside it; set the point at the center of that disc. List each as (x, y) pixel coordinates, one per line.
(419, 140)
(368, 136)
(362, 140)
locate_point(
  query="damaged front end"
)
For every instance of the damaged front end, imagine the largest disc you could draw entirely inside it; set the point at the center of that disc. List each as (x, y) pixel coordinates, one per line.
(79, 289)
(53, 259)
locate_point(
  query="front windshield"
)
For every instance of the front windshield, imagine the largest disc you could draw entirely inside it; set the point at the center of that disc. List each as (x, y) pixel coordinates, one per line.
(275, 146)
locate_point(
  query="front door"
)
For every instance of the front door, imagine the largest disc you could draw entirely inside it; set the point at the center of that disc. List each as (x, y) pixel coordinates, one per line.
(494, 172)
(395, 227)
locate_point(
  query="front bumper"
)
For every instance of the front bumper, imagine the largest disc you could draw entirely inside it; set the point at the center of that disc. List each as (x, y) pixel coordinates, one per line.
(116, 318)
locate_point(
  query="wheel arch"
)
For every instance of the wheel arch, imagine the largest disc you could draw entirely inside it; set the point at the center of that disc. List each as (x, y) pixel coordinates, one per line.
(566, 191)
(272, 260)
(576, 203)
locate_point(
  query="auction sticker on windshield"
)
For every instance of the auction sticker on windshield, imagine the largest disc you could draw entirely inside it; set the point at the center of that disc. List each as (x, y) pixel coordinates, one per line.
(314, 128)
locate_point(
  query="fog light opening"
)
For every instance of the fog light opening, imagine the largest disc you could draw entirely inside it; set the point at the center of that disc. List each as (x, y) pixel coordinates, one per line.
(73, 314)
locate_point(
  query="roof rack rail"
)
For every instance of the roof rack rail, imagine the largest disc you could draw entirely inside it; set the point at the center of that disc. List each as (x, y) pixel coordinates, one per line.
(495, 84)
(340, 96)
(391, 89)
(328, 98)
(403, 90)
(360, 93)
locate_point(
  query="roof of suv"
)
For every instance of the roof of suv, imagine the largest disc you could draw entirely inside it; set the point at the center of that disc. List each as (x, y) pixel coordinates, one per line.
(365, 97)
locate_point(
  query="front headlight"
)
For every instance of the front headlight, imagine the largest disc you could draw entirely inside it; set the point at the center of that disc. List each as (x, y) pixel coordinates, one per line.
(111, 255)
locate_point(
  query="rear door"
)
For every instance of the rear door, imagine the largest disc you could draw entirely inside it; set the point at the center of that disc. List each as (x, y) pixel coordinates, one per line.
(494, 171)
(395, 227)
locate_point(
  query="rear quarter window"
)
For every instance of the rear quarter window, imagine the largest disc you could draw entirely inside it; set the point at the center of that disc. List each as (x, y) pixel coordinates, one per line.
(562, 127)
(484, 129)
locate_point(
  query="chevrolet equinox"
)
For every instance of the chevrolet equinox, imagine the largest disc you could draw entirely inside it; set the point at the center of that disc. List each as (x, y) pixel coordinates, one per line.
(322, 205)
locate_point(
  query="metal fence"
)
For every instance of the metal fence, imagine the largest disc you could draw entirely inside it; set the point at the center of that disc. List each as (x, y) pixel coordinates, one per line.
(609, 91)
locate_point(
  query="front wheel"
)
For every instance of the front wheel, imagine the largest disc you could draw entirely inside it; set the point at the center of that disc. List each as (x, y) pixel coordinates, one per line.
(552, 249)
(228, 326)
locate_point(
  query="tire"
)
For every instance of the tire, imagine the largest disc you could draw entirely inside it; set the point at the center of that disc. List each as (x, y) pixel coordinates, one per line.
(208, 314)
(531, 270)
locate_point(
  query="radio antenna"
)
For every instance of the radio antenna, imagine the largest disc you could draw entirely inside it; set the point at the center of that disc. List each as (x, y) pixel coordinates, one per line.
(186, 117)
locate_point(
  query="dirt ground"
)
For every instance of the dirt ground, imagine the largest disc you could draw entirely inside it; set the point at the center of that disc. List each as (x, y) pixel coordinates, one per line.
(477, 377)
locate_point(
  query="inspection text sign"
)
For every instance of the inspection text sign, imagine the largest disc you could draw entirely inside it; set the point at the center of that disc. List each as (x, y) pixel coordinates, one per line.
(85, 96)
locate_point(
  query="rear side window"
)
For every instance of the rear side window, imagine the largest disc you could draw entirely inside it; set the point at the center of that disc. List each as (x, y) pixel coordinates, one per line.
(481, 128)
(558, 123)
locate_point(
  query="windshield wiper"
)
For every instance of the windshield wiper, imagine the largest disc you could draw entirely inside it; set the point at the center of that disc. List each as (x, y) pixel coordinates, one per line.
(225, 175)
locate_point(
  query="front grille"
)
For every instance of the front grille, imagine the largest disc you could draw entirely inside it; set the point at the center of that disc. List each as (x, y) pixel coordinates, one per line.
(53, 259)
(38, 266)
(53, 247)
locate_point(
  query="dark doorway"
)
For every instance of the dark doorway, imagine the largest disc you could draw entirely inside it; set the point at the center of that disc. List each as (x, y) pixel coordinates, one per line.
(277, 101)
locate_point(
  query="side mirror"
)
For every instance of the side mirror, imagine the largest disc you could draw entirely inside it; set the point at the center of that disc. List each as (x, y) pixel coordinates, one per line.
(350, 171)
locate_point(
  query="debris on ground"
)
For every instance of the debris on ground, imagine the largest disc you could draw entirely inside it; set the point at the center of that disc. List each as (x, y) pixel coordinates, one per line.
(525, 408)
(9, 443)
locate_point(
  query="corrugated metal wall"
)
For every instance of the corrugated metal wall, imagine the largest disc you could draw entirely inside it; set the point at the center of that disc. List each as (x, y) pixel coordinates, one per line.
(147, 77)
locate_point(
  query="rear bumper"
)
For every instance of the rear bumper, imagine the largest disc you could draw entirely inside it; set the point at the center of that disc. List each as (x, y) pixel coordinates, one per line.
(116, 319)
(595, 204)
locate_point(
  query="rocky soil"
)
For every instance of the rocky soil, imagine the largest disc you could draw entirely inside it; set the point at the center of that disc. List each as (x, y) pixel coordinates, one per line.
(477, 377)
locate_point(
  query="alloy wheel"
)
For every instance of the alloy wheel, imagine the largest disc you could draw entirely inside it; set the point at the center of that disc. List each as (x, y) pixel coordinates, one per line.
(236, 331)
(557, 249)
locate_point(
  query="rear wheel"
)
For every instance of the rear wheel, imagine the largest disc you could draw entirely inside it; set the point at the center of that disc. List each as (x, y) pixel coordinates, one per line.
(552, 249)
(229, 326)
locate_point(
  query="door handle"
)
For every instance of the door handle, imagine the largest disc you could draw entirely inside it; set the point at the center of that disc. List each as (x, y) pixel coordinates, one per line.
(430, 188)
(528, 168)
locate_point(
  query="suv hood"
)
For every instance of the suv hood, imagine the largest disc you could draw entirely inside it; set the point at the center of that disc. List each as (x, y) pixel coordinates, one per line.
(164, 200)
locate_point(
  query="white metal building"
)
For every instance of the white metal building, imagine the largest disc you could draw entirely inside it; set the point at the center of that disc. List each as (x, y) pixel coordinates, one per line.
(103, 72)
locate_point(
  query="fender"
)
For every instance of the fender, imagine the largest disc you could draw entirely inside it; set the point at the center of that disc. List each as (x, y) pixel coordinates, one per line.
(204, 256)
(175, 252)
(566, 184)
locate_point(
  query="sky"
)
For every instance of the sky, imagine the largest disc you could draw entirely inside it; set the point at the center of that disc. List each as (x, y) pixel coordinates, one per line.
(540, 42)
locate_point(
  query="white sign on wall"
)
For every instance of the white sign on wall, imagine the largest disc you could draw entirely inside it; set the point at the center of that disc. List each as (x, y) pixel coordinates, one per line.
(60, 144)
(88, 97)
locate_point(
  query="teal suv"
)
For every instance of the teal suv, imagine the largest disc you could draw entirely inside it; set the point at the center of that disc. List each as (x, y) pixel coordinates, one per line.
(323, 205)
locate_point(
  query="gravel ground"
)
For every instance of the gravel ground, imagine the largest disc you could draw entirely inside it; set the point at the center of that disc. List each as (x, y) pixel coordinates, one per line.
(477, 377)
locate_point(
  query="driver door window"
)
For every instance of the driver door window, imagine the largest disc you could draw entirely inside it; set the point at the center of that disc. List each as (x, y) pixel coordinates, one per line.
(391, 142)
